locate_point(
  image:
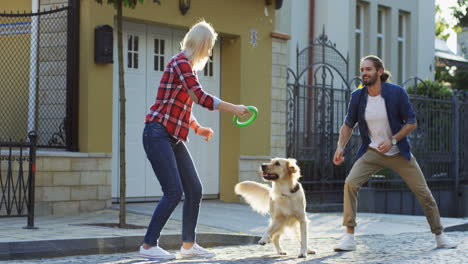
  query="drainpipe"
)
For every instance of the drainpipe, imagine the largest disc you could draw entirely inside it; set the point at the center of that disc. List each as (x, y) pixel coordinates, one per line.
(311, 35)
(310, 106)
(33, 62)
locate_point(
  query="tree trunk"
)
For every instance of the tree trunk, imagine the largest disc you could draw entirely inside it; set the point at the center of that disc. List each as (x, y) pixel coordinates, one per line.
(123, 185)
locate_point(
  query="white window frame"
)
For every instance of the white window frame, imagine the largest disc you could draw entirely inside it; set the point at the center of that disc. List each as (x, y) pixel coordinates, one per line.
(360, 31)
(382, 19)
(160, 54)
(209, 67)
(401, 39)
(133, 52)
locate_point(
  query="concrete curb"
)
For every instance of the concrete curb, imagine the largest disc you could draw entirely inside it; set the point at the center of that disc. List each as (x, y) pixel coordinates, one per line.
(108, 245)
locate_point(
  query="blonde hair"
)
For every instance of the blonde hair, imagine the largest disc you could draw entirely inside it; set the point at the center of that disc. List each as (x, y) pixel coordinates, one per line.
(200, 38)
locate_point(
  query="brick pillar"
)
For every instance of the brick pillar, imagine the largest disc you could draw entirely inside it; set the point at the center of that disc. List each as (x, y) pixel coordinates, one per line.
(279, 95)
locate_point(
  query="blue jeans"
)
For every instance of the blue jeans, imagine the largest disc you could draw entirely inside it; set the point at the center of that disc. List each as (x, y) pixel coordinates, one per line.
(174, 168)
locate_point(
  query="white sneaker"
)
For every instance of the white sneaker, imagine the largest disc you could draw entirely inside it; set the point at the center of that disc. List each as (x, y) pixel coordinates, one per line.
(156, 253)
(347, 243)
(444, 241)
(196, 252)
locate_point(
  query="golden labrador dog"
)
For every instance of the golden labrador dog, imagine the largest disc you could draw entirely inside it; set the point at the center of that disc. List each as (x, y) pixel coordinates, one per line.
(284, 201)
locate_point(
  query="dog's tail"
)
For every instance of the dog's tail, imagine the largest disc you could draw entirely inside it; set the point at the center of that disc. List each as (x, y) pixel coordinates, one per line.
(256, 194)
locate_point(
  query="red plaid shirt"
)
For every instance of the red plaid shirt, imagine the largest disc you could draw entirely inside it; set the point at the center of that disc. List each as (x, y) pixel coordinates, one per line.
(173, 106)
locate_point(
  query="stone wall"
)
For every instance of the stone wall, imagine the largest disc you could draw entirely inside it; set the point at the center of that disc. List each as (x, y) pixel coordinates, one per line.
(279, 95)
(249, 167)
(71, 183)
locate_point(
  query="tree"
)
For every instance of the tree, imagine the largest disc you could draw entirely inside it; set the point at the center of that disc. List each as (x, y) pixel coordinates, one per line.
(119, 4)
(460, 13)
(442, 27)
(456, 78)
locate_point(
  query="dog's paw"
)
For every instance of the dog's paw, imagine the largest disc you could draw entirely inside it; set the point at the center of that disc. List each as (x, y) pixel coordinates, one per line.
(302, 255)
(310, 251)
(282, 253)
(263, 241)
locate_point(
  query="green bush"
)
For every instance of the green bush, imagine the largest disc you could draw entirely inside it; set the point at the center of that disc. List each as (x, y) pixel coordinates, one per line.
(431, 89)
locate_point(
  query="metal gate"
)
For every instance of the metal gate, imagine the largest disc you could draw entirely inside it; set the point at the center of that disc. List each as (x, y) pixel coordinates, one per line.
(439, 145)
(39, 76)
(17, 178)
(318, 94)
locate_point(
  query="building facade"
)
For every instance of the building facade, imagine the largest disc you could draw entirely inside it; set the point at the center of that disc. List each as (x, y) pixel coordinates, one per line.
(242, 71)
(400, 32)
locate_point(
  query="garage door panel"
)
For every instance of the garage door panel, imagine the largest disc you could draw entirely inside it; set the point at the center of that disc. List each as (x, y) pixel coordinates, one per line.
(148, 49)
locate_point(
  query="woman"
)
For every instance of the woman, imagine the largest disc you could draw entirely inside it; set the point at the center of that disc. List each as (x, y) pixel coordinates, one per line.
(166, 129)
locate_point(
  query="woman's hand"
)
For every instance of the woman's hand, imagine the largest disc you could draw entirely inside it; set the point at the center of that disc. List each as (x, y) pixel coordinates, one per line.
(240, 110)
(204, 132)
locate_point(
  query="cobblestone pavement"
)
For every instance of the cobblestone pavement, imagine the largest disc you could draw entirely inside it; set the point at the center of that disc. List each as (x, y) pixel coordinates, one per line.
(414, 248)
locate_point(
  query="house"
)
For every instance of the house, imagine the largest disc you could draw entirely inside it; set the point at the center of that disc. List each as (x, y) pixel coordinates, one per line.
(78, 170)
(395, 30)
(447, 58)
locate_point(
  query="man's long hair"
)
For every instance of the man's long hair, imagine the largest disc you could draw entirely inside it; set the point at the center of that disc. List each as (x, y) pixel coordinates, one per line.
(378, 64)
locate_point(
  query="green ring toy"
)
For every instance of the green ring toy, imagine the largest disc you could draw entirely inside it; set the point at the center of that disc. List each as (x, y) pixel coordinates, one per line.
(254, 111)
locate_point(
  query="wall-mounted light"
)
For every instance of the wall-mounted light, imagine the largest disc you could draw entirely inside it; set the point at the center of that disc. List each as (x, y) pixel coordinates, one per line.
(278, 3)
(184, 6)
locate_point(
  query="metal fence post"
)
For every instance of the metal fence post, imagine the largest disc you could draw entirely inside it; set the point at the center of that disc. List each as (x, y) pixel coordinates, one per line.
(31, 178)
(456, 148)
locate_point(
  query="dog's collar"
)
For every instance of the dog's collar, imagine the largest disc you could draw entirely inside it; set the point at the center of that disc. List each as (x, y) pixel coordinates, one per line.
(293, 190)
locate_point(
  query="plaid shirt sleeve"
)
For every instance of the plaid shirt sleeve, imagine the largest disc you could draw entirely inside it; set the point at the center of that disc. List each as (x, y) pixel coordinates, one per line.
(190, 82)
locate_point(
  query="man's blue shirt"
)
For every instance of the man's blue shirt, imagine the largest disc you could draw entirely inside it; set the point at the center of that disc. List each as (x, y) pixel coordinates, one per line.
(399, 113)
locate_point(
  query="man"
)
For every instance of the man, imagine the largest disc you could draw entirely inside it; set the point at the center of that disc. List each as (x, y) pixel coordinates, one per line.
(385, 119)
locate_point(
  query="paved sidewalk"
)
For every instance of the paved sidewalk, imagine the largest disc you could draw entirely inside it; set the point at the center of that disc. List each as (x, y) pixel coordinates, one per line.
(381, 238)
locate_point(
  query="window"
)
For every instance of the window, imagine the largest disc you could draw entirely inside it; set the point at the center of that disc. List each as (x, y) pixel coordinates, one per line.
(401, 46)
(208, 70)
(132, 51)
(359, 37)
(381, 32)
(158, 54)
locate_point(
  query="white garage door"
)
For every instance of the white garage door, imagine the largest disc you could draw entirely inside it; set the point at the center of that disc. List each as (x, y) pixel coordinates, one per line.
(147, 49)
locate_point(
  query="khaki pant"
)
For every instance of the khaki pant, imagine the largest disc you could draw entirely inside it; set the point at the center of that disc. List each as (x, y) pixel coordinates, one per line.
(373, 161)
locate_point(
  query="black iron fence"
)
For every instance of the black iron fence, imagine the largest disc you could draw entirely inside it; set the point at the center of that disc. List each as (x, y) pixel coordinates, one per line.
(319, 91)
(37, 73)
(17, 178)
(318, 94)
(439, 146)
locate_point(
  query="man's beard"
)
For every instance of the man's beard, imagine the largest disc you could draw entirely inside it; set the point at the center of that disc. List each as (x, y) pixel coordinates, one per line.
(370, 80)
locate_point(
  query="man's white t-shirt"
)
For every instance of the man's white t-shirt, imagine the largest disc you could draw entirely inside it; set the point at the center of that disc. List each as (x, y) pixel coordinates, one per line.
(377, 122)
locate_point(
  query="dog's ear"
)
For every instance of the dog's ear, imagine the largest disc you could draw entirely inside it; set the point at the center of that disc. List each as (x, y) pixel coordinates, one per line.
(293, 169)
(292, 166)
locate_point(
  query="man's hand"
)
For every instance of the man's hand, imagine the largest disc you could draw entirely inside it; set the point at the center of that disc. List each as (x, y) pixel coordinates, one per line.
(204, 132)
(339, 156)
(385, 146)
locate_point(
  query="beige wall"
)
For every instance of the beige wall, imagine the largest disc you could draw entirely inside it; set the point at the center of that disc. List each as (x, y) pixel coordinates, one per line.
(254, 80)
(15, 82)
(245, 70)
(16, 5)
(246, 79)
